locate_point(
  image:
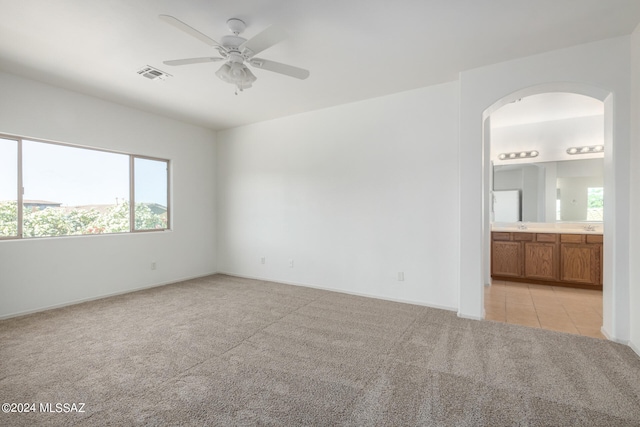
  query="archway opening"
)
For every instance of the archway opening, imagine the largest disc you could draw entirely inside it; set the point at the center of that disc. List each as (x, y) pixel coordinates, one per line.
(536, 137)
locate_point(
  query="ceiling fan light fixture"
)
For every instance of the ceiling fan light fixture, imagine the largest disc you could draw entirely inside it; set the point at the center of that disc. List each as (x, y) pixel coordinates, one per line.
(224, 73)
(236, 73)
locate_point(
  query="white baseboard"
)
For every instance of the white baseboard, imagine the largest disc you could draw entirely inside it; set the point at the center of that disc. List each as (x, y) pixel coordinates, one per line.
(97, 297)
(604, 332)
(342, 291)
(465, 316)
(610, 337)
(634, 348)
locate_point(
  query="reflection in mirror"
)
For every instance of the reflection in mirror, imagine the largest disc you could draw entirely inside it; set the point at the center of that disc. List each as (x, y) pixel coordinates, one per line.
(547, 152)
(569, 190)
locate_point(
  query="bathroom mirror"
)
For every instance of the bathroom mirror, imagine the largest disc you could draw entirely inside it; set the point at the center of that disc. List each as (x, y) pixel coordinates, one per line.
(561, 191)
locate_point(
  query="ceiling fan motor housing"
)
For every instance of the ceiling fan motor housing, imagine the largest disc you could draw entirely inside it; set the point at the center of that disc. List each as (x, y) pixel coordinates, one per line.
(232, 42)
(236, 26)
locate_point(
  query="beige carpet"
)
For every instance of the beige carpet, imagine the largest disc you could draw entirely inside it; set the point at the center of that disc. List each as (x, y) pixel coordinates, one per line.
(227, 351)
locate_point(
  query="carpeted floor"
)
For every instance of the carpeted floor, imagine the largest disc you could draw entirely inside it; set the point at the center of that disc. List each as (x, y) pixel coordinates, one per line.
(227, 351)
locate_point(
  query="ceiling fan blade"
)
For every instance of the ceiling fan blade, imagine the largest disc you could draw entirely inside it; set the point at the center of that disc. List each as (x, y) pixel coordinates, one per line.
(192, 61)
(262, 41)
(277, 67)
(189, 30)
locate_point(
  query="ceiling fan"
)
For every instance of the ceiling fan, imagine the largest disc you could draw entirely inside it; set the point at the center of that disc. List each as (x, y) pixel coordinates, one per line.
(237, 51)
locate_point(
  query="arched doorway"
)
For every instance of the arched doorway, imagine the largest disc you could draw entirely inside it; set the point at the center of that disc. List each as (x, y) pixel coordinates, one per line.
(609, 210)
(553, 190)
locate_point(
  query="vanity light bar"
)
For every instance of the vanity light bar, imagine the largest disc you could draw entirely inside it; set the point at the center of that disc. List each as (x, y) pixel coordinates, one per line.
(586, 149)
(518, 155)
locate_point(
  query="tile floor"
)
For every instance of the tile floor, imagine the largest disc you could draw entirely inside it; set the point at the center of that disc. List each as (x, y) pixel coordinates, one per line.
(576, 311)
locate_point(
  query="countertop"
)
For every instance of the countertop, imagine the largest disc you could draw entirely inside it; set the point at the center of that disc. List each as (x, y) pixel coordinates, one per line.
(539, 227)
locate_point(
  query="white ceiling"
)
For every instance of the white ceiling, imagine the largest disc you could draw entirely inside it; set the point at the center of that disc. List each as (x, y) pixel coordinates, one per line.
(355, 49)
(549, 123)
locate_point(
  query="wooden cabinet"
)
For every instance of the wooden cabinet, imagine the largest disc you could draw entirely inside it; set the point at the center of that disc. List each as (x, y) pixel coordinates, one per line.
(548, 258)
(580, 260)
(541, 257)
(506, 259)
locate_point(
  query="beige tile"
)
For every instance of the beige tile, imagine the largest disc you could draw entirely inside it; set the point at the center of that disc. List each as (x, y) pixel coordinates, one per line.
(562, 327)
(586, 292)
(524, 321)
(519, 300)
(517, 290)
(495, 297)
(577, 309)
(515, 308)
(518, 310)
(587, 322)
(552, 313)
(547, 302)
(496, 315)
(541, 290)
(495, 309)
(516, 285)
(550, 307)
(495, 305)
(496, 292)
(556, 322)
(488, 302)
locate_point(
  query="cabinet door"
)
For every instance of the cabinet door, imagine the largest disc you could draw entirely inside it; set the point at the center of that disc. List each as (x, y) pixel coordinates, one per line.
(506, 259)
(579, 263)
(541, 261)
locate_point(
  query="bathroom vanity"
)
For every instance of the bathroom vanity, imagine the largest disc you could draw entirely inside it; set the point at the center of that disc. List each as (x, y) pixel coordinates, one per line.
(570, 257)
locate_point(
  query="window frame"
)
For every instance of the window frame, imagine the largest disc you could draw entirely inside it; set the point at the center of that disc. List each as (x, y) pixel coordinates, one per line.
(132, 193)
(131, 170)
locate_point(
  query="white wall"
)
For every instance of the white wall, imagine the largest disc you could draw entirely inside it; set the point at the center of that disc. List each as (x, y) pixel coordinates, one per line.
(634, 195)
(353, 194)
(40, 273)
(597, 69)
(550, 138)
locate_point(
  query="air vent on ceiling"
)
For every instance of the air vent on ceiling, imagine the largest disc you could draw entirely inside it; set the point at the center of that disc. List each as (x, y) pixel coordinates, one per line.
(153, 73)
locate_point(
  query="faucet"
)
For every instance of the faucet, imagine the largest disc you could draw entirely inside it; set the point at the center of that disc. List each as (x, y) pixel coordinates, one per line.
(522, 226)
(589, 227)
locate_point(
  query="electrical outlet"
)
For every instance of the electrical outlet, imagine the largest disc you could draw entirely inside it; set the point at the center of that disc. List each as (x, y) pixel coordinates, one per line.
(290, 263)
(153, 265)
(401, 276)
(263, 260)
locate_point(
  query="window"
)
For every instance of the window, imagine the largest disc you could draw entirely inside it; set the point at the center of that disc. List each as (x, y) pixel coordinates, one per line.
(595, 203)
(151, 202)
(8, 188)
(70, 190)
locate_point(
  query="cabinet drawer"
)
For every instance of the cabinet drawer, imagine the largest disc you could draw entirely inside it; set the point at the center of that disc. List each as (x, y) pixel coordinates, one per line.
(572, 238)
(527, 237)
(500, 236)
(594, 238)
(547, 237)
